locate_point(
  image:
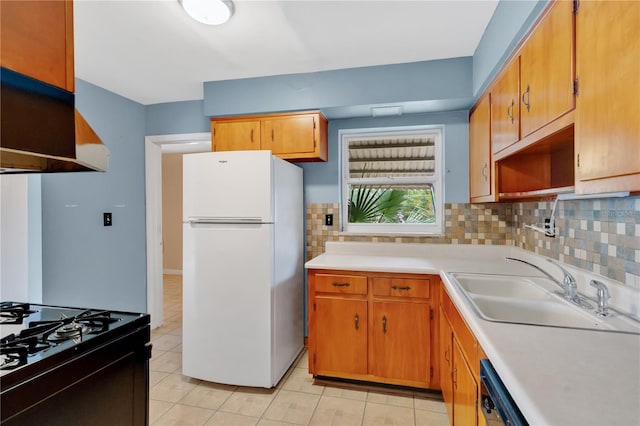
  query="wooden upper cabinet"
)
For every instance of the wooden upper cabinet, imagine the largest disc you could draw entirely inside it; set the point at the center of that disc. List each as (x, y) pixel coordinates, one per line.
(505, 108)
(546, 69)
(235, 135)
(607, 118)
(292, 136)
(37, 40)
(480, 164)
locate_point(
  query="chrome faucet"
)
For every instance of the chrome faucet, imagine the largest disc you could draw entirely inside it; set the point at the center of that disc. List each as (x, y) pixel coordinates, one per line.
(602, 293)
(568, 284)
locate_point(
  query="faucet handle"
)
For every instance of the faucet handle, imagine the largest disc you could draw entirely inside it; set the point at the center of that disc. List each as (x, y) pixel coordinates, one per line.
(602, 293)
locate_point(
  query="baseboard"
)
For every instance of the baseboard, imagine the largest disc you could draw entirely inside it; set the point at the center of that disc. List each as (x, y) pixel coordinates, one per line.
(172, 271)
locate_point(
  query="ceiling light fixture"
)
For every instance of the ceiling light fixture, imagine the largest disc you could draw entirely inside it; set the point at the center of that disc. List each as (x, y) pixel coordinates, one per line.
(209, 12)
(386, 111)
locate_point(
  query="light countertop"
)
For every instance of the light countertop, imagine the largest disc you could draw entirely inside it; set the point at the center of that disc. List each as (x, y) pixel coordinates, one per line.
(556, 376)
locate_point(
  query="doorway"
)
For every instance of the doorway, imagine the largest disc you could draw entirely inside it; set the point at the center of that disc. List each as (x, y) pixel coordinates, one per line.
(155, 146)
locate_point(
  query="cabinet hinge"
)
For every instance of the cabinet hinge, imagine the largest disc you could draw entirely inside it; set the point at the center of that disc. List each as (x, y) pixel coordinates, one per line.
(314, 306)
(576, 6)
(578, 160)
(575, 87)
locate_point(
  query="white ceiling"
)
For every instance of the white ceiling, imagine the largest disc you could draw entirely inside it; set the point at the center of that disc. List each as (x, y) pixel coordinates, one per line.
(150, 51)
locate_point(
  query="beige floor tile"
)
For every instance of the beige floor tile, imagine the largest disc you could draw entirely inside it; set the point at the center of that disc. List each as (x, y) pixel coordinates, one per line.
(292, 407)
(397, 400)
(431, 418)
(301, 381)
(167, 327)
(168, 362)
(166, 342)
(208, 395)
(268, 422)
(184, 415)
(221, 418)
(382, 414)
(303, 360)
(177, 348)
(332, 411)
(337, 392)
(155, 377)
(429, 404)
(173, 388)
(157, 409)
(249, 401)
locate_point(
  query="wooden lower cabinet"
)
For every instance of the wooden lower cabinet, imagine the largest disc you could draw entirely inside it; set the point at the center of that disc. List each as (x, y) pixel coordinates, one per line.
(446, 362)
(399, 351)
(459, 354)
(341, 335)
(465, 389)
(383, 331)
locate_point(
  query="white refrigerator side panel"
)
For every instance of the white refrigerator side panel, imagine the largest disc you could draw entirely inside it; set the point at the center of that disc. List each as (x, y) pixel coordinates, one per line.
(287, 312)
(227, 303)
(233, 184)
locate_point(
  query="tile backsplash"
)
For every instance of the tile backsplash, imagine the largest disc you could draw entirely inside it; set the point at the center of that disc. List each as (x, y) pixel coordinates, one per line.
(602, 235)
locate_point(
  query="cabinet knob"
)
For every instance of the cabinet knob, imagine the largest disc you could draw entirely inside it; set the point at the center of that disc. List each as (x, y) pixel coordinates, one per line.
(384, 324)
(341, 284)
(356, 320)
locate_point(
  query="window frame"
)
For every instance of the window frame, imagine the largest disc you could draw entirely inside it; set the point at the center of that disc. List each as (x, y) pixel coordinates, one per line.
(437, 180)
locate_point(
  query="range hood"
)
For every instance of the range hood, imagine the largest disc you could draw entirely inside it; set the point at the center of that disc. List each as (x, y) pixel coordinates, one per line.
(42, 132)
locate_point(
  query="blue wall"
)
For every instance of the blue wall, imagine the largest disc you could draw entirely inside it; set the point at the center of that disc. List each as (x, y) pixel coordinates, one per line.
(84, 263)
(509, 23)
(448, 79)
(322, 180)
(176, 117)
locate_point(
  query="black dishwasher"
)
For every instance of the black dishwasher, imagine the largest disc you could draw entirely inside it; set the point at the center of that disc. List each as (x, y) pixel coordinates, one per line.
(497, 405)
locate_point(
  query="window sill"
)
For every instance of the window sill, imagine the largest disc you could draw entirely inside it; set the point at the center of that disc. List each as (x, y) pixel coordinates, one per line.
(391, 234)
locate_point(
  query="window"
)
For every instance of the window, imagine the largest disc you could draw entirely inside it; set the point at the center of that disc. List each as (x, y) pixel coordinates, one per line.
(392, 180)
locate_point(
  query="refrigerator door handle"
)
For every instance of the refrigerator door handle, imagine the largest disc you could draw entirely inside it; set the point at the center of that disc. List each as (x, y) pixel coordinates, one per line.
(218, 220)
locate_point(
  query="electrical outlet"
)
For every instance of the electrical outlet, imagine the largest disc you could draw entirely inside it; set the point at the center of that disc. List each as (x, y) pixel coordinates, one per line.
(106, 219)
(328, 220)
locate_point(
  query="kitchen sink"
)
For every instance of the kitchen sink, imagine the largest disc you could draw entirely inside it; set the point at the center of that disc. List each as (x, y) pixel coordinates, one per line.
(502, 286)
(533, 300)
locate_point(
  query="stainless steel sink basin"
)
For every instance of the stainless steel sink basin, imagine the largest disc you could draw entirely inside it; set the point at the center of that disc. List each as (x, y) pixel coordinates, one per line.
(532, 300)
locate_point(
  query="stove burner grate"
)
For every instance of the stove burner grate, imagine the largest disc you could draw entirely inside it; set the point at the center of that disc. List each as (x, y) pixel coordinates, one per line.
(14, 313)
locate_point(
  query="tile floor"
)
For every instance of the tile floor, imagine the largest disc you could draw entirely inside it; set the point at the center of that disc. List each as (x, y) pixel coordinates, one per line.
(179, 400)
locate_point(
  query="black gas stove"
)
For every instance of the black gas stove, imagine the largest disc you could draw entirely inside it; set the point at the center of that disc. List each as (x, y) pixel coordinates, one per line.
(57, 362)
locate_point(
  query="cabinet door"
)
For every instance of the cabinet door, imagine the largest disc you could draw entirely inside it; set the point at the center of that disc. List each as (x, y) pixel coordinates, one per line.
(546, 70)
(289, 135)
(235, 135)
(465, 390)
(37, 40)
(341, 336)
(505, 108)
(480, 150)
(607, 124)
(400, 341)
(446, 362)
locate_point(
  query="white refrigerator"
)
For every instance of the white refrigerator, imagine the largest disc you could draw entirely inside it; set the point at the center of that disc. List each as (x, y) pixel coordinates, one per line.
(242, 267)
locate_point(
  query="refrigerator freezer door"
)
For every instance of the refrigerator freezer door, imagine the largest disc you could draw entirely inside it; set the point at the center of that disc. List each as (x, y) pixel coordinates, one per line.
(227, 302)
(231, 184)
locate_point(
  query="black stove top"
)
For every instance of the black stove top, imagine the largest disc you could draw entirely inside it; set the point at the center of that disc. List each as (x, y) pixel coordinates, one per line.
(30, 332)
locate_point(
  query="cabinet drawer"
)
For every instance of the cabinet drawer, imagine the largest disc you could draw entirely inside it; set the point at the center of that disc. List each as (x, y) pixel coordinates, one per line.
(349, 284)
(401, 287)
